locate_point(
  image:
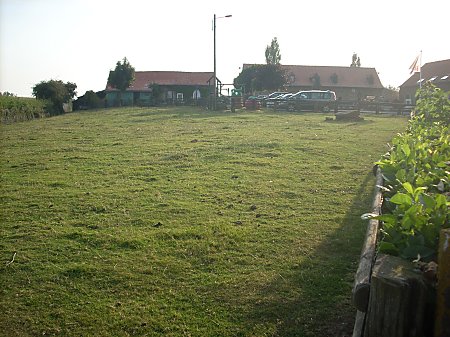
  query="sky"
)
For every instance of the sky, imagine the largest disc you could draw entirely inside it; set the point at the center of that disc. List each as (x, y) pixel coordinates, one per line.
(80, 41)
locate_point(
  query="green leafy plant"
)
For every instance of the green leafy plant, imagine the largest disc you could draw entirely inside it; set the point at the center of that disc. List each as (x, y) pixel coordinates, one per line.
(411, 230)
(416, 174)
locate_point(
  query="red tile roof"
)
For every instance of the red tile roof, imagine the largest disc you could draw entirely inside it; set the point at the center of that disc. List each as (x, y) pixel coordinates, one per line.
(350, 77)
(434, 71)
(145, 78)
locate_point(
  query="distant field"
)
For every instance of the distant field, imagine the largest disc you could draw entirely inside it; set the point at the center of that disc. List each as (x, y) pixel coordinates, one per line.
(179, 222)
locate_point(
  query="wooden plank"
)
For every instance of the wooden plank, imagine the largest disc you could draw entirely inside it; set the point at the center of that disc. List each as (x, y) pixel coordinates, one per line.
(358, 328)
(361, 287)
(442, 327)
(398, 297)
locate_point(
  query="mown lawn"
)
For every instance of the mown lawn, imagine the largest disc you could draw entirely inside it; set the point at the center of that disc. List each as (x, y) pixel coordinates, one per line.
(181, 222)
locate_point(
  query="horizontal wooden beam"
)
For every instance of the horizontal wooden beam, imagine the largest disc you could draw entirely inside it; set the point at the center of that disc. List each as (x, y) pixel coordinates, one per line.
(361, 287)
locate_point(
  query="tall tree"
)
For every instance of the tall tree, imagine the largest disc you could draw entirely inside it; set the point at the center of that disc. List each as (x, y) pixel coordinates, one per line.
(273, 55)
(57, 92)
(269, 76)
(356, 62)
(122, 76)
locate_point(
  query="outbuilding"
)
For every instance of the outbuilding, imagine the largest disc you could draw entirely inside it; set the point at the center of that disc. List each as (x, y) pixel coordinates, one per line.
(163, 87)
(437, 73)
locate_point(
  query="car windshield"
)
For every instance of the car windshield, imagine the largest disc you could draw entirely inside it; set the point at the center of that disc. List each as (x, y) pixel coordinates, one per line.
(276, 94)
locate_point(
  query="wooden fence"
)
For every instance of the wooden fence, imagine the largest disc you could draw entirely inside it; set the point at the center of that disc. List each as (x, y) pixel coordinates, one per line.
(376, 107)
(392, 296)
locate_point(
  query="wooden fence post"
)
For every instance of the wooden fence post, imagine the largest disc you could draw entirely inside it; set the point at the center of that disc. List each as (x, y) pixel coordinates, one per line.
(442, 327)
(398, 299)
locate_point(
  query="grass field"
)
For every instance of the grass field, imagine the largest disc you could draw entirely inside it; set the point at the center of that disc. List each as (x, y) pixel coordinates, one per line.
(179, 222)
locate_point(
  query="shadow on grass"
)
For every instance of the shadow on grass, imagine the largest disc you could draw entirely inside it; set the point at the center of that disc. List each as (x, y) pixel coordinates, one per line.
(338, 253)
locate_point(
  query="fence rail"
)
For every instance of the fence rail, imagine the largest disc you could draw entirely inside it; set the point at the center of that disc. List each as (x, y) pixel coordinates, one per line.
(376, 107)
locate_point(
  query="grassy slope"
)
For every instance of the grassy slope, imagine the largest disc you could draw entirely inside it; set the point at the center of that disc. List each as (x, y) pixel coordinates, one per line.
(176, 222)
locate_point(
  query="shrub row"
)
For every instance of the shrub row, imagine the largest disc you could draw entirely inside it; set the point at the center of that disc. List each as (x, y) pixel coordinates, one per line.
(17, 109)
(416, 172)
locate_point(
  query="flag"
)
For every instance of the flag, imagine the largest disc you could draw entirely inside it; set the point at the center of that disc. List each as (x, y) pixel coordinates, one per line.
(415, 66)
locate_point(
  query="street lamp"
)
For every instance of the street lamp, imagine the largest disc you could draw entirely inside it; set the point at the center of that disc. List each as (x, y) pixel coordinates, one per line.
(215, 70)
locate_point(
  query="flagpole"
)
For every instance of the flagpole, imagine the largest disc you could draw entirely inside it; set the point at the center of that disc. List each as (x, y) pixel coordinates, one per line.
(420, 71)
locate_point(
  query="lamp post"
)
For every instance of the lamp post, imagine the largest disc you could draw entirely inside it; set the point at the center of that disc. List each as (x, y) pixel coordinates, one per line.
(215, 69)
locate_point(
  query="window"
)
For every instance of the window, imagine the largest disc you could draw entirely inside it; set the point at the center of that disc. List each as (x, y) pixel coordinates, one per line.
(444, 77)
(196, 94)
(433, 78)
(179, 96)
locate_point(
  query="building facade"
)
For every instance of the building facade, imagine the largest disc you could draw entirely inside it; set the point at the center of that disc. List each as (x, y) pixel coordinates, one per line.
(162, 87)
(437, 73)
(349, 83)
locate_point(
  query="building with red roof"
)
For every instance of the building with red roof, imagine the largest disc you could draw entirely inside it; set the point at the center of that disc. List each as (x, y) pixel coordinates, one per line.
(171, 87)
(437, 73)
(349, 83)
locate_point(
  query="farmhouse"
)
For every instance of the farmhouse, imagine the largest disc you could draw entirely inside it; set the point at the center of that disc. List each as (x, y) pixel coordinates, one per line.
(438, 73)
(349, 83)
(166, 87)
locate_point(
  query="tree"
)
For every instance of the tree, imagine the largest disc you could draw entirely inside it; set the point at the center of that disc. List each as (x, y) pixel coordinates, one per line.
(8, 94)
(273, 55)
(57, 92)
(261, 77)
(122, 76)
(356, 62)
(270, 76)
(247, 79)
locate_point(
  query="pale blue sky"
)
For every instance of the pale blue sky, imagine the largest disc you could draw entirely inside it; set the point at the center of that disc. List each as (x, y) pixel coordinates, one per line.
(81, 40)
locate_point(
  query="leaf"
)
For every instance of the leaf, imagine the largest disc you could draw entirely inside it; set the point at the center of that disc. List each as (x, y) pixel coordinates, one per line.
(418, 192)
(412, 252)
(388, 248)
(386, 218)
(427, 201)
(401, 199)
(408, 187)
(401, 175)
(441, 201)
(416, 240)
(407, 223)
(406, 150)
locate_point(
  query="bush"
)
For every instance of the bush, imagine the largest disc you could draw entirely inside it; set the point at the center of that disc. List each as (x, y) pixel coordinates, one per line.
(55, 92)
(417, 187)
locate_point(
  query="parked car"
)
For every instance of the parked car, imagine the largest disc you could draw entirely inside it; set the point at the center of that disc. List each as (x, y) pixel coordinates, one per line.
(272, 95)
(315, 100)
(283, 102)
(252, 103)
(274, 102)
